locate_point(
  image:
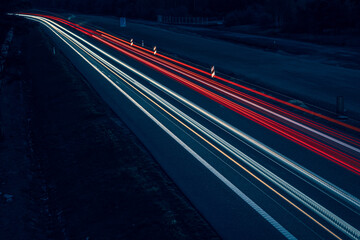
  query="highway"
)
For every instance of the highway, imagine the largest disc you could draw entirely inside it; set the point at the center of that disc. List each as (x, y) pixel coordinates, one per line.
(252, 165)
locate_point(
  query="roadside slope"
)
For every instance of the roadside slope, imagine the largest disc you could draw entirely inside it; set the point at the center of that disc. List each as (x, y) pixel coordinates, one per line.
(99, 181)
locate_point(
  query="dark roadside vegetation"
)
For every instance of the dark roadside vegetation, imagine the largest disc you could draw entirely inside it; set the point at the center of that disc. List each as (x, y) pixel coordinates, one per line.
(335, 22)
(70, 169)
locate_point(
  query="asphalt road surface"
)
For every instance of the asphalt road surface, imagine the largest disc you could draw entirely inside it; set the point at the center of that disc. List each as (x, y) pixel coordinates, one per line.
(250, 165)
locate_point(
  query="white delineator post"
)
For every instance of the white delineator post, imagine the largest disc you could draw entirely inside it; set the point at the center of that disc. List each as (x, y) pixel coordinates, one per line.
(340, 109)
(212, 71)
(131, 42)
(155, 50)
(122, 22)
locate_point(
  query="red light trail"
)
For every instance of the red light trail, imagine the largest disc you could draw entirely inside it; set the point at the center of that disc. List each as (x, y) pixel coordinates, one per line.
(159, 62)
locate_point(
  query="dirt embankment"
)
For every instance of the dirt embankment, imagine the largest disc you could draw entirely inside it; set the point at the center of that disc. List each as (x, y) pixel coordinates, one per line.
(74, 170)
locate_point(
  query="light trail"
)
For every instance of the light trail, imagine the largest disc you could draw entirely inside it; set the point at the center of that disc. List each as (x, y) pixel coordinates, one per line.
(229, 146)
(349, 160)
(223, 179)
(326, 217)
(329, 131)
(342, 159)
(301, 125)
(245, 137)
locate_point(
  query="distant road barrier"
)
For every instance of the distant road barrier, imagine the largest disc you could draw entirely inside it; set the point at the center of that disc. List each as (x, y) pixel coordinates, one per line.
(190, 20)
(122, 22)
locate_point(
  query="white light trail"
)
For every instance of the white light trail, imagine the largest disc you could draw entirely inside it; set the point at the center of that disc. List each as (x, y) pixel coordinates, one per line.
(223, 179)
(352, 200)
(327, 215)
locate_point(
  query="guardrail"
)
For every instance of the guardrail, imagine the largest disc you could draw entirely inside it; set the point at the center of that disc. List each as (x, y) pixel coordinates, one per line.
(190, 20)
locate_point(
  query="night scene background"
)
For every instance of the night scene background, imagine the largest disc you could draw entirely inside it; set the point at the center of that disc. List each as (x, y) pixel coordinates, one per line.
(195, 119)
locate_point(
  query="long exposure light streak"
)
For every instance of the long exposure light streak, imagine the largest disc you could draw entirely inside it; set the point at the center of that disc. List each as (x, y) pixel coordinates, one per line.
(300, 169)
(336, 156)
(333, 155)
(350, 231)
(268, 106)
(330, 131)
(251, 203)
